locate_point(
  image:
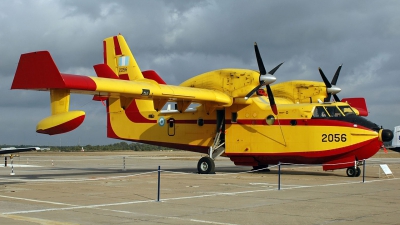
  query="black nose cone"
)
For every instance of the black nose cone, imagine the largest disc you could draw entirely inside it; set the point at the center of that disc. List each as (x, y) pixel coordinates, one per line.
(387, 135)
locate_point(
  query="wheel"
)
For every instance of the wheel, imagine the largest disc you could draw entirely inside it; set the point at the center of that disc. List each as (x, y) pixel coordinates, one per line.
(351, 172)
(358, 172)
(263, 168)
(206, 166)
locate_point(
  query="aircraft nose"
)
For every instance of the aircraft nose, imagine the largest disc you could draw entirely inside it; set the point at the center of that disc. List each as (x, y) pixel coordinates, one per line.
(385, 135)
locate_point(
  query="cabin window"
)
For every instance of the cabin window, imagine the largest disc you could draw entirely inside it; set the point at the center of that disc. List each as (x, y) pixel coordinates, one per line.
(346, 110)
(333, 111)
(234, 117)
(320, 112)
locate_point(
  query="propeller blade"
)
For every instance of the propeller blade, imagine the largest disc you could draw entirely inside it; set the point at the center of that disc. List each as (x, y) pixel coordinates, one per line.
(271, 100)
(259, 60)
(326, 81)
(335, 78)
(275, 69)
(264, 77)
(254, 90)
(337, 99)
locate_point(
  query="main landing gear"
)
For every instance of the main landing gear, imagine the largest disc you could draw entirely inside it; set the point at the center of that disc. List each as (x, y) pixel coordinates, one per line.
(353, 171)
(206, 165)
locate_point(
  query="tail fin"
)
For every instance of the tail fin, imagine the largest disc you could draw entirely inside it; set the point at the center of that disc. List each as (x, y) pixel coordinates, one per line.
(119, 58)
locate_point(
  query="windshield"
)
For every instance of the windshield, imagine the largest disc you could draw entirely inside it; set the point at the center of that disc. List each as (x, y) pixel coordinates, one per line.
(320, 112)
(333, 111)
(346, 110)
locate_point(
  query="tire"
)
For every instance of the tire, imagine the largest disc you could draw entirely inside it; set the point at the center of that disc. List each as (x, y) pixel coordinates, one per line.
(358, 172)
(206, 166)
(351, 171)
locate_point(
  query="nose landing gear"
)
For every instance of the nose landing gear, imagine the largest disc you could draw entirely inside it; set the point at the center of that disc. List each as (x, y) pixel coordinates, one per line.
(353, 171)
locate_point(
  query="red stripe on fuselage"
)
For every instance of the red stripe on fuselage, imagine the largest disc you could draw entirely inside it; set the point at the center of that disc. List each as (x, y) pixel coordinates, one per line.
(299, 122)
(282, 122)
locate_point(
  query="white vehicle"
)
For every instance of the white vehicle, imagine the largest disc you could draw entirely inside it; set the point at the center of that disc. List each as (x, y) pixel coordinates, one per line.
(396, 139)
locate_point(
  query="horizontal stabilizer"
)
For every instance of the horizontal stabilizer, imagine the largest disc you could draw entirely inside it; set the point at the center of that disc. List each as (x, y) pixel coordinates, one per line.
(103, 70)
(152, 75)
(37, 70)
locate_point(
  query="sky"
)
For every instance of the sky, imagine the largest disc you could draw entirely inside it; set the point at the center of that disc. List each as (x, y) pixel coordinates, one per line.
(181, 39)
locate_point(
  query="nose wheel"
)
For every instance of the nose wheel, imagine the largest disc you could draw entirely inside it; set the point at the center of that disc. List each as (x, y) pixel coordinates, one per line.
(353, 171)
(206, 165)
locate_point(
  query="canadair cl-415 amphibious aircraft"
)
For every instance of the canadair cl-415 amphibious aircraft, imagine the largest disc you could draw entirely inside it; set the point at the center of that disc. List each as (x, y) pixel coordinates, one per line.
(237, 115)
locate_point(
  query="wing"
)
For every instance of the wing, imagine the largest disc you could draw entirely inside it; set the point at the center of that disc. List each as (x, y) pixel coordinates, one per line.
(37, 71)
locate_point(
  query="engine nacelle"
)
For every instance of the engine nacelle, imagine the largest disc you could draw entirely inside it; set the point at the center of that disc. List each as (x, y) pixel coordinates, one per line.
(60, 123)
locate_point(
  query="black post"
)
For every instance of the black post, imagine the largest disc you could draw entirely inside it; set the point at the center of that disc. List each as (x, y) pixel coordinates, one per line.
(158, 189)
(279, 176)
(364, 171)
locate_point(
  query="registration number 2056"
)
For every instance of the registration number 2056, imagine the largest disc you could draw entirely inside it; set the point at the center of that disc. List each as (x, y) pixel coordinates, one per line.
(334, 138)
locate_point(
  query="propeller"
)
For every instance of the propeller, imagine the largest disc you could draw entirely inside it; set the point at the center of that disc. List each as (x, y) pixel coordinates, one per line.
(331, 87)
(265, 79)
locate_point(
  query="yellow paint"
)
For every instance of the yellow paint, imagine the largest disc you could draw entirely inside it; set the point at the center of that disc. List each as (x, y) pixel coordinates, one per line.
(59, 101)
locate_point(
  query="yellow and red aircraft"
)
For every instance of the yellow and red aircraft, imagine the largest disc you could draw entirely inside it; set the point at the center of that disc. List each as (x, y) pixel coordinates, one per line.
(234, 116)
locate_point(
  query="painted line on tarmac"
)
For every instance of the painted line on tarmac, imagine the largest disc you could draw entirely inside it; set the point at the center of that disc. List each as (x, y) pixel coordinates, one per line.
(34, 200)
(73, 207)
(169, 217)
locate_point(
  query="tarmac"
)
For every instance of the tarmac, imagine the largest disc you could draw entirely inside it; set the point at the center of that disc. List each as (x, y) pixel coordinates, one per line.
(122, 188)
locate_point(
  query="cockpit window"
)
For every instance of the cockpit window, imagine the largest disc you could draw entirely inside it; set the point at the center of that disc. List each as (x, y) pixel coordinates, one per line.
(333, 111)
(320, 112)
(346, 110)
